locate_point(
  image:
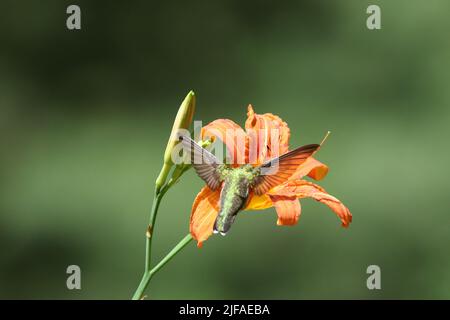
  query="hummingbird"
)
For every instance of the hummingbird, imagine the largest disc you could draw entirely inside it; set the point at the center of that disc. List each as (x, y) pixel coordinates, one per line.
(236, 184)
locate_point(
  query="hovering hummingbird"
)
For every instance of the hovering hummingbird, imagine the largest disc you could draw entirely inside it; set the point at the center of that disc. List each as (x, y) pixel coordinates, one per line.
(237, 183)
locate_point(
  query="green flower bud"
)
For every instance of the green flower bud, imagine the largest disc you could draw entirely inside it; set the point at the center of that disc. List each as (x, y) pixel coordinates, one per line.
(182, 121)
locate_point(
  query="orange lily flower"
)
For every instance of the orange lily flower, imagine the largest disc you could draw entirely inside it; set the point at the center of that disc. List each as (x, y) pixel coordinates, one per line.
(284, 197)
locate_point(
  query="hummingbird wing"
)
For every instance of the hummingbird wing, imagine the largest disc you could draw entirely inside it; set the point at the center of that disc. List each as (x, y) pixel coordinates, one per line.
(278, 170)
(204, 162)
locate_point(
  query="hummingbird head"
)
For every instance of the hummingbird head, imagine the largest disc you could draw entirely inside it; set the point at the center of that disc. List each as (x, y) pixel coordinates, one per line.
(249, 169)
(250, 172)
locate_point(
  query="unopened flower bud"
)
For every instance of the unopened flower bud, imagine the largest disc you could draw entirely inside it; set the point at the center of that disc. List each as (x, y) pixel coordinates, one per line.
(182, 121)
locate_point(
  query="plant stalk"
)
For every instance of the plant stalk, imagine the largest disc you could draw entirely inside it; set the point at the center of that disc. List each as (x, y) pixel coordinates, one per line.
(138, 295)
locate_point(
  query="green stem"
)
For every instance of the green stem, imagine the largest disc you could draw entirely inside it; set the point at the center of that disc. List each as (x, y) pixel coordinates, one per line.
(150, 229)
(150, 273)
(159, 193)
(160, 190)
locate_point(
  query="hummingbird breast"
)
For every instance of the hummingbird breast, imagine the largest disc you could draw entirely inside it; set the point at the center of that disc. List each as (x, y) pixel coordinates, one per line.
(233, 197)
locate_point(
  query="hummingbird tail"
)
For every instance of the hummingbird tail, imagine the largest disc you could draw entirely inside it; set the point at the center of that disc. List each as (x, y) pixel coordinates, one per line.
(222, 226)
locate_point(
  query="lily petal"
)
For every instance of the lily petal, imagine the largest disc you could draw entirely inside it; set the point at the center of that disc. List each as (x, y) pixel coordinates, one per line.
(232, 135)
(204, 213)
(262, 129)
(256, 202)
(312, 168)
(288, 210)
(306, 189)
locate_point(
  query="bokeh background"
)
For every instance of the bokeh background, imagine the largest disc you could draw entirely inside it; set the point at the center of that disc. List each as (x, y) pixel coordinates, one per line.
(85, 116)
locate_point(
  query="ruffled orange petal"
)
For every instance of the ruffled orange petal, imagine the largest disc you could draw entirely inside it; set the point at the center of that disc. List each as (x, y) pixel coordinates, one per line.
(288, 210)
(232, 135)
(204, 213)
(256, 202)
(305, 189)
(268, 136)
(312, 168)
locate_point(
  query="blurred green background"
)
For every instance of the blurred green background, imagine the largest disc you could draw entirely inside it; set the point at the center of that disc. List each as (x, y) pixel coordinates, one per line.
(85, 116)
